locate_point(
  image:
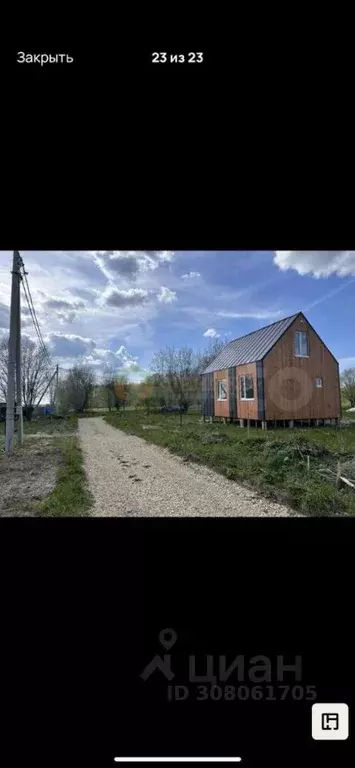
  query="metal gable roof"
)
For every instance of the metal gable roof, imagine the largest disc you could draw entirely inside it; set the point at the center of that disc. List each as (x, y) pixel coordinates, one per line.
(254, 346)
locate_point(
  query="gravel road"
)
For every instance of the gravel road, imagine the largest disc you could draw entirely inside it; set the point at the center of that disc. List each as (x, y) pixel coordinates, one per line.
(129, 477)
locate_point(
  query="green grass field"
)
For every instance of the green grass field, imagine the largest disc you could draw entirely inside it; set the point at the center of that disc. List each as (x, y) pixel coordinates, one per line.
(274, 462)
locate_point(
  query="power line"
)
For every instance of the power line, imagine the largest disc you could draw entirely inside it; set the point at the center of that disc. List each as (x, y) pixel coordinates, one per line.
(34, 317)
(32, 310)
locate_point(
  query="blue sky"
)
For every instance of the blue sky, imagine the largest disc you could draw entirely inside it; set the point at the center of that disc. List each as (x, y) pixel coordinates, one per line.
(119, 307)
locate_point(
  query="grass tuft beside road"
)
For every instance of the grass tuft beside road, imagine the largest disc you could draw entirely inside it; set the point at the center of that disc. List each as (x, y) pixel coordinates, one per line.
(70, 497)
(281, 464)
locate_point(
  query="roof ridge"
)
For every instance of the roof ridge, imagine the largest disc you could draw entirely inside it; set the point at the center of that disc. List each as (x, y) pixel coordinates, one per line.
(282, 319)
(252, 346)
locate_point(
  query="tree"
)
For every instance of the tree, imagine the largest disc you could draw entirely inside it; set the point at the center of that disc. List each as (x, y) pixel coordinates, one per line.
(121, 391)
(177, 369)
(348, 385)
(212, 350)
(177, 373)
(74, 393)
(109, 379)
(146, 393)
(35, 374)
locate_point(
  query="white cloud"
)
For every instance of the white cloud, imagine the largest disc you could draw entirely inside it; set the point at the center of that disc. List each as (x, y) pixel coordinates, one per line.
(69, 345)
(190, 275)
(317, 263)
(66, 317)
(69, 348)
(126, 359)
(257, 315)
(25, 321)
(166, 296)
(62, 304)
(129, 264)
(211, 333)
(94, 362)
(124, 298)
(4, 316)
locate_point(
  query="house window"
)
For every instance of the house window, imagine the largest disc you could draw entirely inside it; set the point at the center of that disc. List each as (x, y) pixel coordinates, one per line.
(319, 382)
(222, 389)
(246, 388)
(301, 344)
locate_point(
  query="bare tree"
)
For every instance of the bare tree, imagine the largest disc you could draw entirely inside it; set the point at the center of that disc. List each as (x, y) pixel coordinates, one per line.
(36, 372)
(177, 369)
(348, 385)
(75, 391)
(112, 391)
(109, 379)
(177, 372)
(212, 350)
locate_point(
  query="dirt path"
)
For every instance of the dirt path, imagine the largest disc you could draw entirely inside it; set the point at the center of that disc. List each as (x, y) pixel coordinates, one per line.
(129, 477)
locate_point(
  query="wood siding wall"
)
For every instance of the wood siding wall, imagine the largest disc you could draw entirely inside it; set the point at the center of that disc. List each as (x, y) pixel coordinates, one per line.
(232, 392)
(247, 409)
(208, 395)
(244, 409)
(289, 382)
(221, 407)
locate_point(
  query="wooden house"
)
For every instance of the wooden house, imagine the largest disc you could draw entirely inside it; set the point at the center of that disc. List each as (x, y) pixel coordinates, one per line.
(282, 374)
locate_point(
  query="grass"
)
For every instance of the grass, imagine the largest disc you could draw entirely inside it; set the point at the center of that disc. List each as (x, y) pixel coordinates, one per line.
(70, 497)
(47, 425)
(348, 415)
(274, 462)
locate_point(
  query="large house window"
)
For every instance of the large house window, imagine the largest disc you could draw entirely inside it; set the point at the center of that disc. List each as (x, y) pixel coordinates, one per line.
(246, 388)
(319, 382)
(301, 344)
(222, 389)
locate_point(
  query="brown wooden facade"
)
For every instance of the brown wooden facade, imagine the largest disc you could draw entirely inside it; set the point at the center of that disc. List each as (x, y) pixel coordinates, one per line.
(247, 409)
(290, 382)
(284, 384)
(221, 407)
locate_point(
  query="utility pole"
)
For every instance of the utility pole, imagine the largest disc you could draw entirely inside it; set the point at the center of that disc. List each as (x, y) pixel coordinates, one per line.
(47, 387)
(10, 398)
(18, 361)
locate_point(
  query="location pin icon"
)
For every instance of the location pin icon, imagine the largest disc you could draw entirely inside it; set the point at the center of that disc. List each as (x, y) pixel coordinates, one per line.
(167, 638)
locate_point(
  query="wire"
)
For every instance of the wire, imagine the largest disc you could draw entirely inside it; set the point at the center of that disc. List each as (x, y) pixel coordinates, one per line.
(34, 318)
(32, 309)
(36, 326)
